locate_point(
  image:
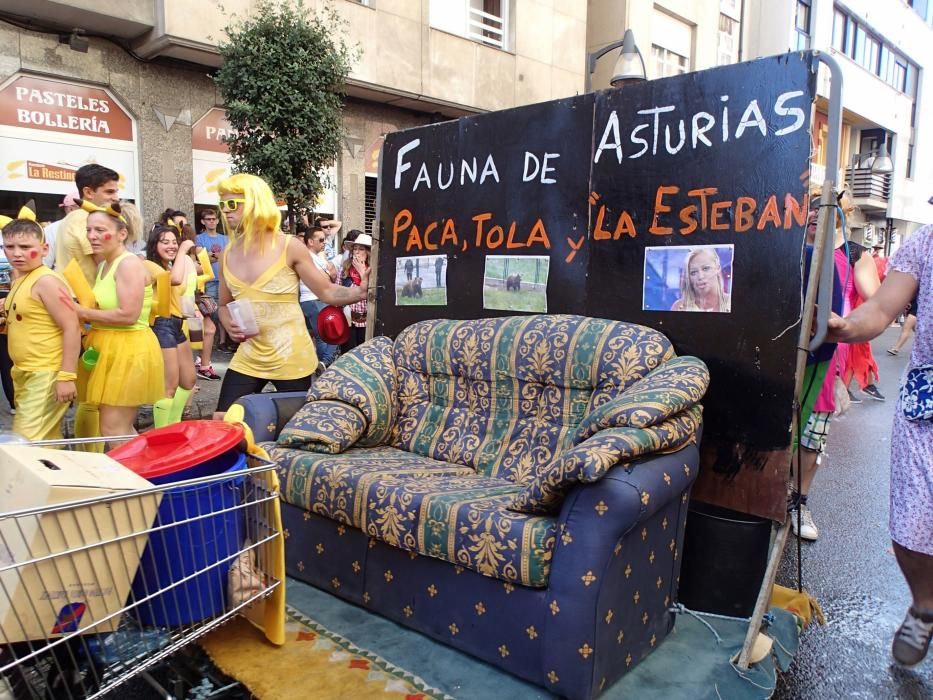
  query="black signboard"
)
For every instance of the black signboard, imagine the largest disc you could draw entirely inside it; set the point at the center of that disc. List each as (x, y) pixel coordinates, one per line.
(679, 204)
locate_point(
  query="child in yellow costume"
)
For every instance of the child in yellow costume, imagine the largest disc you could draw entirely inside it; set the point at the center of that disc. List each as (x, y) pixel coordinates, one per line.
(44, 335)
(128, 368)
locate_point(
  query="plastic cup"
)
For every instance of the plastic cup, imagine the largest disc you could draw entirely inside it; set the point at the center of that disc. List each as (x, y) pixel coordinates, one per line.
(241, 311)
(188, 308)
(89, 359)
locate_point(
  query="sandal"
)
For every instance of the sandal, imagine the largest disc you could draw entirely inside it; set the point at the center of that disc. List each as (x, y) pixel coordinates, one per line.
(892, 351)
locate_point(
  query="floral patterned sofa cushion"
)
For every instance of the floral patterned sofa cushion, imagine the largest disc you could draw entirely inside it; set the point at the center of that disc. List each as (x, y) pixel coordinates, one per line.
(364, 378)
(324, 426)
(338, 486)
(506, 396)
(442, 510)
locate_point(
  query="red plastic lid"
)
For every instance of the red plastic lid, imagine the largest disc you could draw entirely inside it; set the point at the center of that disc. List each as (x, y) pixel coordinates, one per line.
(164, 451)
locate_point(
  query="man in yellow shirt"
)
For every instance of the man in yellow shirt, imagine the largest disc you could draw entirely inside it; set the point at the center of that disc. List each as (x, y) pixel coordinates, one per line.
(99, 185)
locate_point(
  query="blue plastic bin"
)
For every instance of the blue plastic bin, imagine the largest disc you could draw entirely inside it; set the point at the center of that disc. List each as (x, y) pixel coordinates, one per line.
(184, 548)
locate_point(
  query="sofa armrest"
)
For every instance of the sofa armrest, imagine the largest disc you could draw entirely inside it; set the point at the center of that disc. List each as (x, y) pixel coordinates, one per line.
(593, 458)
(603, 527)
(365, 378)
(266, 414)
(673, 387)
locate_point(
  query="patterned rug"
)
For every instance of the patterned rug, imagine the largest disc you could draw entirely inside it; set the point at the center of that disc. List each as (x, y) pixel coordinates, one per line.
(314, 662)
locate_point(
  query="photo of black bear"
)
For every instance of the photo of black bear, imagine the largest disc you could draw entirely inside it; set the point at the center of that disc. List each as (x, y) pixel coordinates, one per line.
(513, 283)
(412, 288)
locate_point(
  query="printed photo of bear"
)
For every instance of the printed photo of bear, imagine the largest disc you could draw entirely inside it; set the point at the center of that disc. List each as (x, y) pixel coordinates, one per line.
(516, 283)
(421, 280)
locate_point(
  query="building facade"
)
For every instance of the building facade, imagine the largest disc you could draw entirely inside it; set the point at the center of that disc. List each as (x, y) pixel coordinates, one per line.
(149, 66)
(885, 50)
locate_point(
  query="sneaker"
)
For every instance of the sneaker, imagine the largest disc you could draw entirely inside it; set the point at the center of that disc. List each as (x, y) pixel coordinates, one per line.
(912, 639)
(208, 373)
(808, 530)
(872, 391)
(853, 398)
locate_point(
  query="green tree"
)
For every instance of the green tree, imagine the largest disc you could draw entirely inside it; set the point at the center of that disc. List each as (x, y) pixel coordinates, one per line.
(282, 81)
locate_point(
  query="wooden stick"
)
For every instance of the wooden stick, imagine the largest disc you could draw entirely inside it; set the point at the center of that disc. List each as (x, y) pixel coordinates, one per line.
(826, 228)
(764, 595)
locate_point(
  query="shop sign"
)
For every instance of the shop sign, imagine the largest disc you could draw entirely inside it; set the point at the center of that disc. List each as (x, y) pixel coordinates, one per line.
(50, 105)
(50, 128)
(211, 162)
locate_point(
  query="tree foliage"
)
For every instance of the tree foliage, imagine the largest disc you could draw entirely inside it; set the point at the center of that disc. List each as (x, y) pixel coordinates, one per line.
(282, 81)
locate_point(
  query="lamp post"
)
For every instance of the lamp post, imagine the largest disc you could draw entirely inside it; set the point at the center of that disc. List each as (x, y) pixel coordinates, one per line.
(880, 163)
(626, 69)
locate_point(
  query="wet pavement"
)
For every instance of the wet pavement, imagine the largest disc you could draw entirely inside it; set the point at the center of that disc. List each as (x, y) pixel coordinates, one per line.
(851, 567)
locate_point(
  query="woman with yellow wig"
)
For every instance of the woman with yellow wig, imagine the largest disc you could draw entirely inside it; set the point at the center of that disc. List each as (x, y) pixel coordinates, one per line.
(262, 266)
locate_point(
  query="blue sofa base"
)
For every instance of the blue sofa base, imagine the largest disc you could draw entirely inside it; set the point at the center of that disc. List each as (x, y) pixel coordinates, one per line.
(562, 637)
(612, 581)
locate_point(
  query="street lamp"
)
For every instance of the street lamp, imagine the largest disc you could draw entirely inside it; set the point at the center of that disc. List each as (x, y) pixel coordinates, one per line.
(876, 159)
(626, 69)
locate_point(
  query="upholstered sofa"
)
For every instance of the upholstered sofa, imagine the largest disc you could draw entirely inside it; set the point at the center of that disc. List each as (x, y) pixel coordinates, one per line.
(514, 487)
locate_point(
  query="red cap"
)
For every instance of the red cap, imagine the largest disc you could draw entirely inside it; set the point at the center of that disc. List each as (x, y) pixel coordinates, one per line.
(332, 325)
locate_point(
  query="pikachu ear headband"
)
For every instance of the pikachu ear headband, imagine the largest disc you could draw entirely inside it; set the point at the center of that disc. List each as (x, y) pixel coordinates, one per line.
(111, 210)
(27, 211)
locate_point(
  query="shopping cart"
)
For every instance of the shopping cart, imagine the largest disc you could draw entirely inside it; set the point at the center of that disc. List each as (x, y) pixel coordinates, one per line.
(157, 568)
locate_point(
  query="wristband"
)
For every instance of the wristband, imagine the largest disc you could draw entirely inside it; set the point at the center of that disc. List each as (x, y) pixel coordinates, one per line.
(66, 376)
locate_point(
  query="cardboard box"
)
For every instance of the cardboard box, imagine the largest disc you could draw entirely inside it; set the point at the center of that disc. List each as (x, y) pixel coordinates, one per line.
(60, 569)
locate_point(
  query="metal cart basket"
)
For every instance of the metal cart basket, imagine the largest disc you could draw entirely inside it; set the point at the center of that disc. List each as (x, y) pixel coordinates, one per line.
(154, 570)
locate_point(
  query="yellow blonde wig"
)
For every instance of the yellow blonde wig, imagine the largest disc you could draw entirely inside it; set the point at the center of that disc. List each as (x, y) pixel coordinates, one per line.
(261, 215)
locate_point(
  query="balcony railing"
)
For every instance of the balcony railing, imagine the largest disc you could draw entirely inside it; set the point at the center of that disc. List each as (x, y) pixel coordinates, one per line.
(486, 28)
(865, 184)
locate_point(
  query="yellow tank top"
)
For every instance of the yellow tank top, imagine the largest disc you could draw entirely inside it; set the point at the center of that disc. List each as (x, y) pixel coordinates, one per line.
(105, 292)
(283, 349)
(34, 338)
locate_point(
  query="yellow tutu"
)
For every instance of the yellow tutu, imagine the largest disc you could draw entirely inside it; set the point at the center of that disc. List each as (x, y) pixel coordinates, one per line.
(128, 371)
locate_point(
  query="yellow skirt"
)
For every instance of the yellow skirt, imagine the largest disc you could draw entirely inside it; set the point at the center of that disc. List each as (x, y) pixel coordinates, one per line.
(128, 371)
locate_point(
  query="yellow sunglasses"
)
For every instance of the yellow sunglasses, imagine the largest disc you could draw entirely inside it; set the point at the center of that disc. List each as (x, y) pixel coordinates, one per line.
(231, 204)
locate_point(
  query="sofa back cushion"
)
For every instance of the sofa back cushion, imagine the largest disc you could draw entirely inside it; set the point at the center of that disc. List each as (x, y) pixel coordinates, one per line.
(505, 395)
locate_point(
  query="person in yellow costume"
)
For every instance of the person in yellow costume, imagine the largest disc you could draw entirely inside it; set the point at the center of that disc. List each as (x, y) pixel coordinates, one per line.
(43, 334)
(164, 253)
(262, 265)
(100, 186)
(127, 371)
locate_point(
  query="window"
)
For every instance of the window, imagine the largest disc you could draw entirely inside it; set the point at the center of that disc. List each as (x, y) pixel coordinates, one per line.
(921, 7)
(839, 30)
(802, 24)
(667, 62)
(871, 52)
(484, 21)
(672, 45)
(728, 40)
(369, 206)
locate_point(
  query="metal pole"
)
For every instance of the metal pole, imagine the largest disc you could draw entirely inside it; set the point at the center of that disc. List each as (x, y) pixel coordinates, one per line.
(821, 272)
